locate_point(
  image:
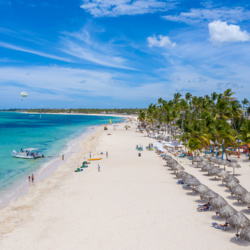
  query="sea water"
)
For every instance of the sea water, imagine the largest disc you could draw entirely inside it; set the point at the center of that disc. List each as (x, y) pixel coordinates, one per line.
(50, 133)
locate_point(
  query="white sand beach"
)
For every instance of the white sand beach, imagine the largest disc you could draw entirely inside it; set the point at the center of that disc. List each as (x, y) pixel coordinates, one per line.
(133, 203)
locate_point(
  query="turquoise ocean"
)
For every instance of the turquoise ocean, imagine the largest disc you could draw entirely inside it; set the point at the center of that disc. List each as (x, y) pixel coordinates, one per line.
(51, 133)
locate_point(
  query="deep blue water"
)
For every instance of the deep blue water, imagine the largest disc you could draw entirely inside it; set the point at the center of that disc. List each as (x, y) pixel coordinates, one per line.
(48, 132)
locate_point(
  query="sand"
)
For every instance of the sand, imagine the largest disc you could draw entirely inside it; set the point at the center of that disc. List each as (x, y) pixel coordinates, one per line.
(133, 203)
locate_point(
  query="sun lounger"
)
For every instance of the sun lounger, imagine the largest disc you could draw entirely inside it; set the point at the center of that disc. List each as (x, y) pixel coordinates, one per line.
(219, 226)
(180, 182)
(202, 209)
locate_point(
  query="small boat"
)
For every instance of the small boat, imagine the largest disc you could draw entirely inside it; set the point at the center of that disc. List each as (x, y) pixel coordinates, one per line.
(27, 153)
(94, 159)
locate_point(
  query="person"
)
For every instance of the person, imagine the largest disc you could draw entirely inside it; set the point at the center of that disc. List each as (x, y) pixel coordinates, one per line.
(29, 178)
(99, 168)
(63, 157)
(32, 178)
(90, 155)
(107, 154)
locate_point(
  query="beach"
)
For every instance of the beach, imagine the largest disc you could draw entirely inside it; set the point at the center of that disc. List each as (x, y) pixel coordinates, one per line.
(134, 202)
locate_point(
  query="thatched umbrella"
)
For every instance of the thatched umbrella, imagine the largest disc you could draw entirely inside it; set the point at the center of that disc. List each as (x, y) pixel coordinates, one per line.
(186, 177)
(201, 164)
(229, 178)
(202, 189)
(168, 161)
(207, 167)
(178, 168)
(232, 184)
(197, 159)
(209, 195)
(218, 162)
(212, 159)
(226, 211)
(206, 156)
(234, 165)
(126, 127)
(193, 182)
(218, 202)
(224, 162)
(246, 198)
(238, 191)
(238, 220)
(222, 173)
(245, 233)
(167, 157)
(173, 164)
(213, 171)
(179, 174)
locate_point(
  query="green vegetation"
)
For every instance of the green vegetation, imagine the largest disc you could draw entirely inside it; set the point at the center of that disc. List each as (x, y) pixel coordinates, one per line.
(202, 122)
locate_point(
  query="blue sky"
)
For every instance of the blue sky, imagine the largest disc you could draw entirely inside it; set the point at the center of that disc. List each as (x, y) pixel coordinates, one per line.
(121, 53)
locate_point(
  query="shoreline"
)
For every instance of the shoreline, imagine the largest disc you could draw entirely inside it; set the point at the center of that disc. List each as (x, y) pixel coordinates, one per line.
(134, 202)
(53, 173)
(20, 187)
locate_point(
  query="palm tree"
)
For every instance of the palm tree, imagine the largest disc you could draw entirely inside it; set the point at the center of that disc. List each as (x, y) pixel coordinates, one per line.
(245, 135)
(244, 102)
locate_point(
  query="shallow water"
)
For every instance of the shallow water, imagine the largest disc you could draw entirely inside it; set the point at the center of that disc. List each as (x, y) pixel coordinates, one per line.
(48, 132)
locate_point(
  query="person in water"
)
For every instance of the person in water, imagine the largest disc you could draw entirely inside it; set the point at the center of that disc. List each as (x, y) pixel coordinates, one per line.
(32, 178)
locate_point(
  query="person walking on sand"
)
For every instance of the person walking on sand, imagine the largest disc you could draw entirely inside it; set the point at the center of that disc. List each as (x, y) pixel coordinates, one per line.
(99, 168)
(107, 154)
(90, 155)
(63, 157)
(32, 178)
(29, 178)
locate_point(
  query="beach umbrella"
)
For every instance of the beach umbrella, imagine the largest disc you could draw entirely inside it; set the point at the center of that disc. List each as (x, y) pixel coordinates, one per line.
(213, 171)
(245, 233)
(238, 191)
(246, 198)
(202, 189)
(173, 164)
(180, 174)
(218, 162)
(168, 161)
(218, 202)
(186, 177)
(206, 156)
(207, 167)
(178, 168)
(238, 220)
(226, 211)
(234, 165)
(193, 182)
(201, 164)
(222, 173)
(197, 159)
(224, 162)
(232, 184)
(229, 178)
(126, 127)
(208, 195)
(167, 157)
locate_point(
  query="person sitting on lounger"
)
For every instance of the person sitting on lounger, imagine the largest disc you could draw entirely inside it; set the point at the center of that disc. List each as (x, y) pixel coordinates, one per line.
(220, 226)
(203, 208)
(205, 205)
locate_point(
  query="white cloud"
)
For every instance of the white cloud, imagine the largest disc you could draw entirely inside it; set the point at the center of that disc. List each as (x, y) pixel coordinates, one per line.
(222, 32)
(113, 8)
(159, 41)
(34, 52)
(209, 14)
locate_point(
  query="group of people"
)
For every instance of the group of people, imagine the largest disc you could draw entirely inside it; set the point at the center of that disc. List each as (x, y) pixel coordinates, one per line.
(31, 178)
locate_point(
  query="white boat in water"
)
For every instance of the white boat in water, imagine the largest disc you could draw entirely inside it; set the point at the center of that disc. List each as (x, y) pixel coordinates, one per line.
(27, 153)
